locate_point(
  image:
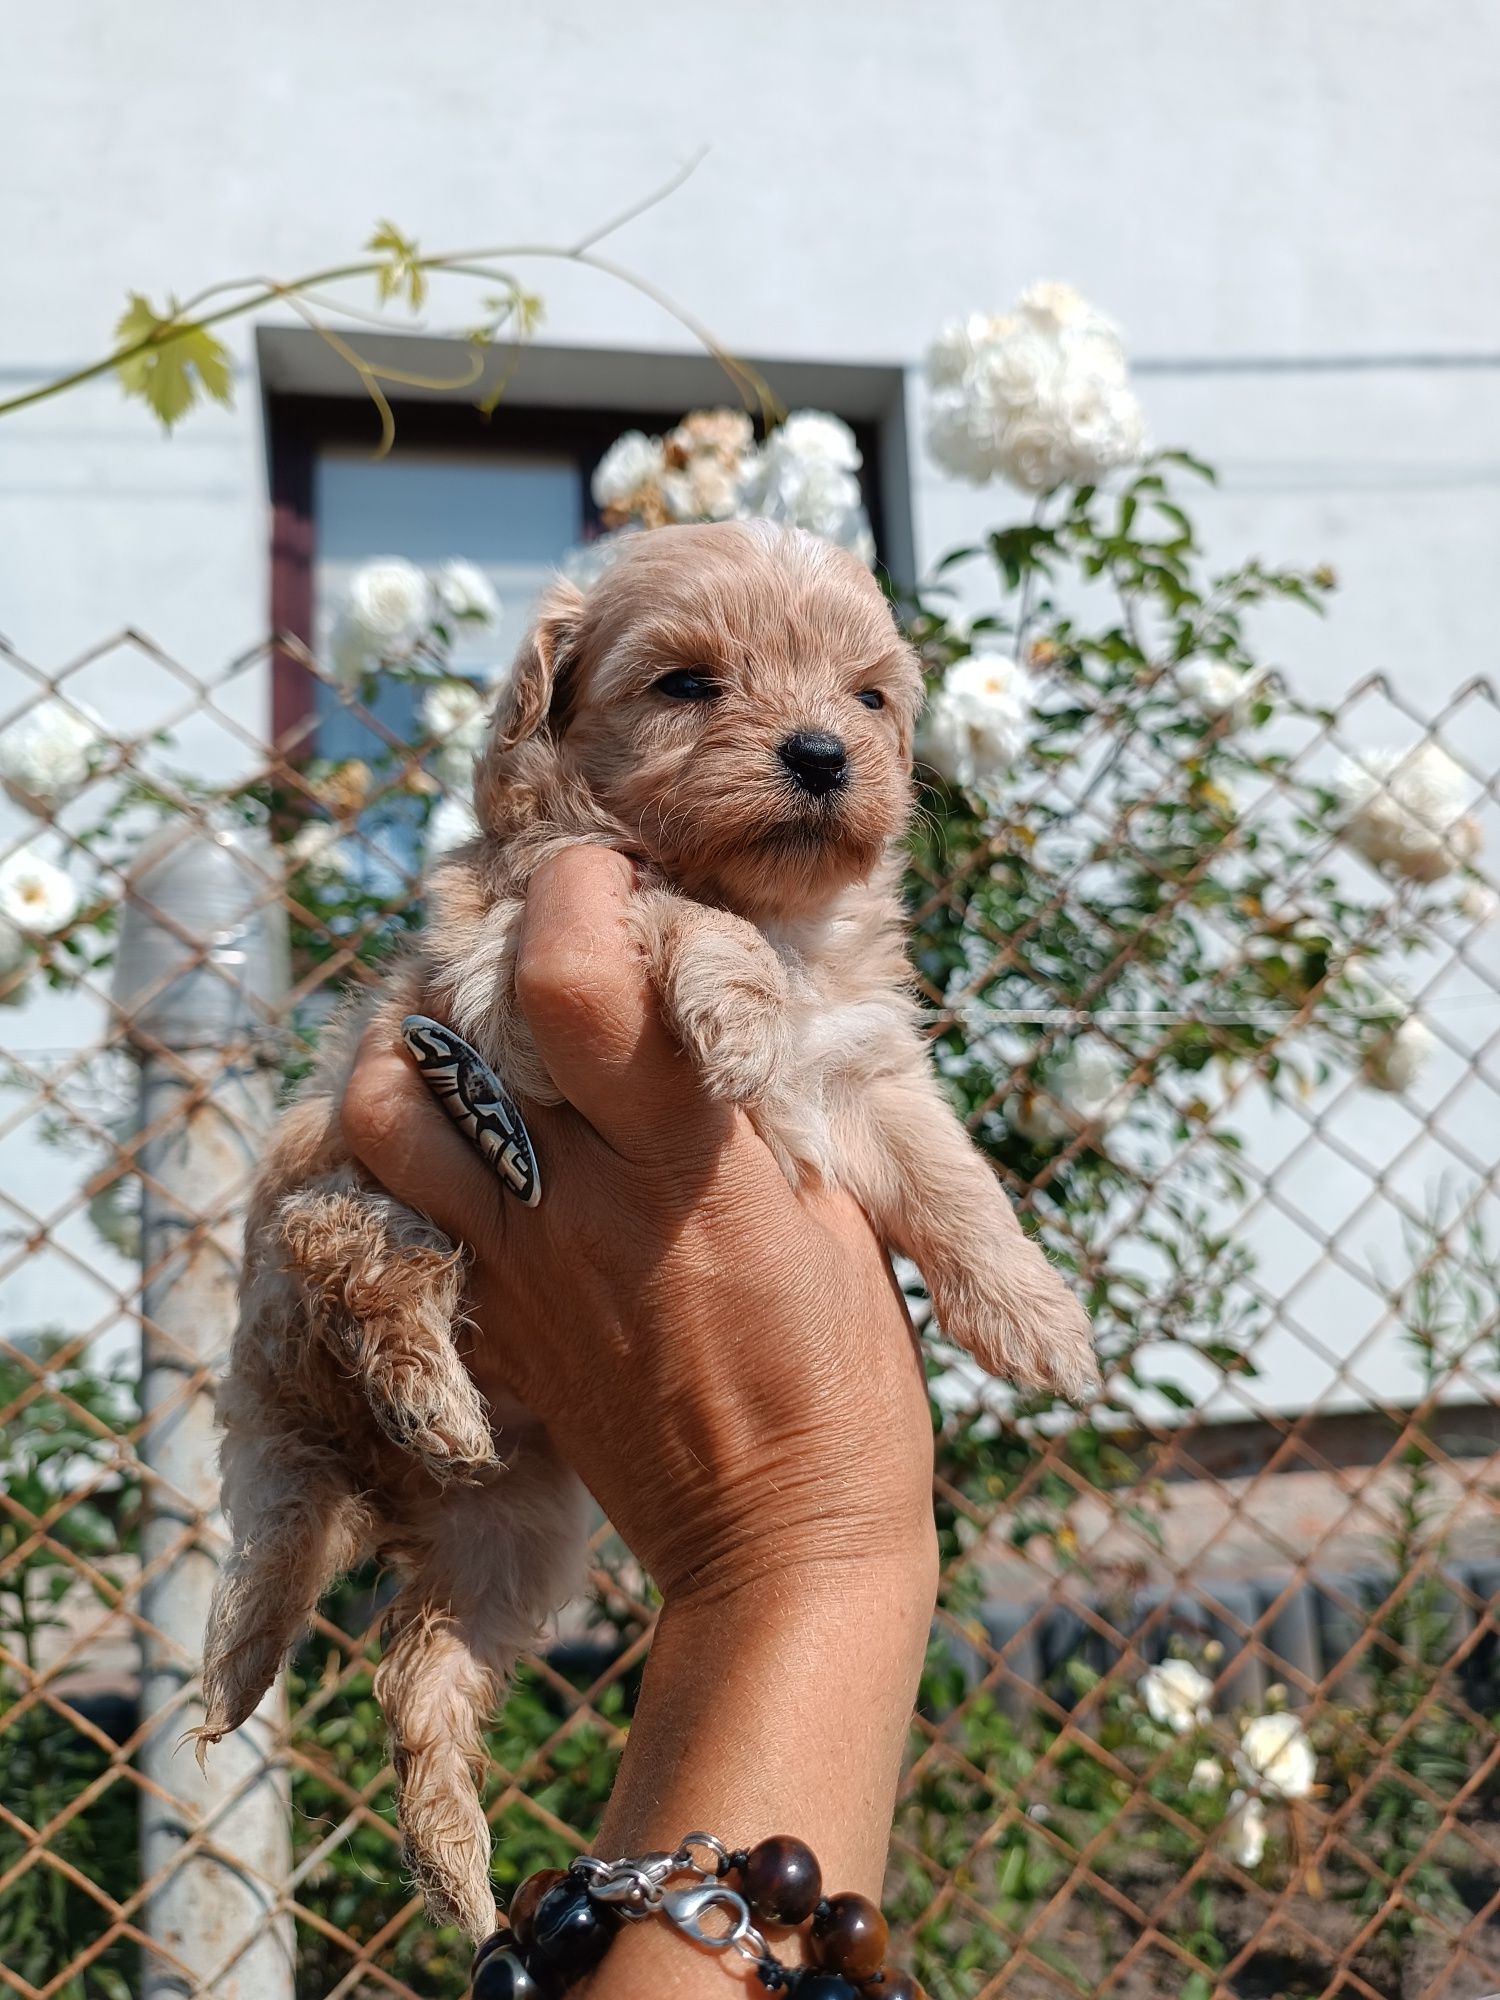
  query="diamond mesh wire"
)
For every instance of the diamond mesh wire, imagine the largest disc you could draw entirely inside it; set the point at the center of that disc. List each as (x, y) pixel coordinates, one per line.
(1312, 1526)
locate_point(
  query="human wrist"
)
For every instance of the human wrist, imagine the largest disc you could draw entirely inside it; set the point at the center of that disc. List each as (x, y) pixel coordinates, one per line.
(827, 1572)
(769, 1906)
(780, 1707)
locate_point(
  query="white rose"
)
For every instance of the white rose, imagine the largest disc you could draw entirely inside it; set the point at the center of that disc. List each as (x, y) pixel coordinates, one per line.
(805, 476)
(1244, 1832)
(1016, 370)
(1086, 1089)
(1395, 1058)
(1479, 903)
(389, 602)
(965, 434)
(1275, 1757)
(35, 895)
(319, 847)
(1061, 307)
(464, 592)
(385, 612)
(978, 721)
(452, 823)
(1039, 397)
(48, 754)
(632, 461)
(15, 957)
(1035, 452)
(1208, 1775)
(816, 496)
(456, 715)
(1101, 423)
(1176, 1695)
(1406, 810)
(956, 349)
(1215, 689)
(816, 437)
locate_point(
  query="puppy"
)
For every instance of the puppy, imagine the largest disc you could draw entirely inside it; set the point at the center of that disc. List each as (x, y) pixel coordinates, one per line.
(735, 704)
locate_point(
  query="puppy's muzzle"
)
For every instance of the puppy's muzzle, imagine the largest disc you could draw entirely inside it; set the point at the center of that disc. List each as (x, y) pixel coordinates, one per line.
(817, 763)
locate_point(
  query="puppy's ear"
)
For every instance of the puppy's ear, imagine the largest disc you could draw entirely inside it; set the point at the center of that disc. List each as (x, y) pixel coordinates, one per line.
(547, 652)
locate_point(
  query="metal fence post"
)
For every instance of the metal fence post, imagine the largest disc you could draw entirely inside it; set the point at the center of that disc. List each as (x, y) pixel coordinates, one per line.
(199, 972)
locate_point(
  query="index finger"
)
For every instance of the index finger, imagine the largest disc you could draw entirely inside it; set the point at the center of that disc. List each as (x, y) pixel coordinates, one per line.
(583, 987)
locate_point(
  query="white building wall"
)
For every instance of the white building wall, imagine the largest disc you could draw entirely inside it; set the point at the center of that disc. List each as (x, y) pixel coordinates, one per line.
(1270, 196)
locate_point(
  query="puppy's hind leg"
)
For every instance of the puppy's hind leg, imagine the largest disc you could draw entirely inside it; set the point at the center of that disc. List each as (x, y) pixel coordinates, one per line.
(296, 1528)
(385, 1290)
(498, 1562)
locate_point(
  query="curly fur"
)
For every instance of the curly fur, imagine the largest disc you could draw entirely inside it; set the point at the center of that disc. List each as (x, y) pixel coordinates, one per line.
(772, 930)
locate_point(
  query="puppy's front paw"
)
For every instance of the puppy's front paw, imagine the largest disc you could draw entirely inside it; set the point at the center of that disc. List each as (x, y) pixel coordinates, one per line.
(724, 994)
(1020, 1321)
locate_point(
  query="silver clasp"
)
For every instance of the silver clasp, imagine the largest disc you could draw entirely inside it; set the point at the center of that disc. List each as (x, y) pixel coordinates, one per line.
(712, 1845)
(635, 1885)
(686, 1909)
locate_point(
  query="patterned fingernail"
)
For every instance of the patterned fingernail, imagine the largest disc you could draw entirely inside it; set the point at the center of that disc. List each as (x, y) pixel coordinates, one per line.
(477, 1102)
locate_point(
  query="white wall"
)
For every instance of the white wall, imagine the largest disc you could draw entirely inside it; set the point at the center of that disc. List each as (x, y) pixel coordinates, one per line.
(1231, 178)
(1290, 188)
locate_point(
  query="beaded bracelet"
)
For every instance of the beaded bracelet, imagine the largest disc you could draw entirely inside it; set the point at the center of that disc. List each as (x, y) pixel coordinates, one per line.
(562, 1924)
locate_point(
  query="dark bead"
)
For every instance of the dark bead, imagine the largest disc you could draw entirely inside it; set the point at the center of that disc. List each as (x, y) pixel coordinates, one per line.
(523, 1903)
(569, 1930)
(781, 1881)
(892, 1985)
(503, 1976)
(502, 1939)
(825, 1986)
(849, 1935)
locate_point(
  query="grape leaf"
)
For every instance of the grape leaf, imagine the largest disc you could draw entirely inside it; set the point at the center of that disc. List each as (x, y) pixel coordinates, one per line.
(177, 364)
(402, 269)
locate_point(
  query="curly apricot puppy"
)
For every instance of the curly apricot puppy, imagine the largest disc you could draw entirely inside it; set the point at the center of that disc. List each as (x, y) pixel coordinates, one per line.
(734, 704)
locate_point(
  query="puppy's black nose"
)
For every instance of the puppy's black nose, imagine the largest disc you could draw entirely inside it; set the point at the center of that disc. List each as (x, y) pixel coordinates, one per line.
(818, 763)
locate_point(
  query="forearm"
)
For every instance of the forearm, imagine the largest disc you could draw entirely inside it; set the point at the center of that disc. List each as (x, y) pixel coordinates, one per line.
(784, 1710)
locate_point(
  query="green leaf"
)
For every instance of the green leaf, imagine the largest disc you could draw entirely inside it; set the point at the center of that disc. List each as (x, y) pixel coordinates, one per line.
(177, 360)
(1189, 463)
(1175, 1394)
(401, 271)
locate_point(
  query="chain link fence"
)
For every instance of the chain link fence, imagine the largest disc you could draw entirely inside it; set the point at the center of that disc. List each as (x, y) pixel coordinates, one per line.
(1213, 1698)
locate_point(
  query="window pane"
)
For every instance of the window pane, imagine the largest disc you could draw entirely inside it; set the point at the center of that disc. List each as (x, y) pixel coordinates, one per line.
(513, 515)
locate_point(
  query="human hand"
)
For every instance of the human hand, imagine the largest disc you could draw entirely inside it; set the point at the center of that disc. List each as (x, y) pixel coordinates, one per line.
(726, 1363)
(730, 1368)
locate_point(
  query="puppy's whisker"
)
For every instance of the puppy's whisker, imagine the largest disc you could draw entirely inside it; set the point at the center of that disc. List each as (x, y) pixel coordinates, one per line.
(925, 820)
(668, 814)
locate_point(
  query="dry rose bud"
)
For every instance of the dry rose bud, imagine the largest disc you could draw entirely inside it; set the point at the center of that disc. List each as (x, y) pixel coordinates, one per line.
(346, 789)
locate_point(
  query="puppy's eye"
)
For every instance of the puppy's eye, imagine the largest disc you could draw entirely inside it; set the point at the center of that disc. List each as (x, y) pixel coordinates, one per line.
(686, 685)
(871, 697)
